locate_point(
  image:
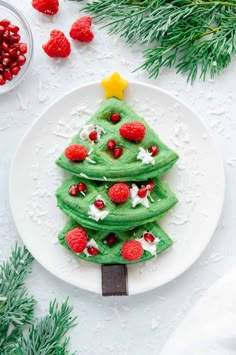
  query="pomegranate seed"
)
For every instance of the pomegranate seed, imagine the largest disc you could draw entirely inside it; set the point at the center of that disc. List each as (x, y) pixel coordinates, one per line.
(13, 29)
(5, 23)
(12, 52)
(150, 185)
(93, 251)
(21, 60)
(154, 150)
(5, 46)
(142, 192)
(14, 64)
(117, 152)
(93, 135)
(7, 75)
(5, 55)
(6, 35)
(111, 144)
(115, 117)
(111, 239)
(73, 190)
(99, 204)
(6, 62)
(15, 38)
(2, 81)
(23, 48)
(149, 237)
(82, 187)
(1, 67)
(15, 70)
(2, 30)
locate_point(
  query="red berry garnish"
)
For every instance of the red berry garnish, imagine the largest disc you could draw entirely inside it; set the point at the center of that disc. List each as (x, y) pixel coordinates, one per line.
(99, 204)
(77, 240)
(47, 7)
(76, 152)
(150, 185)
(82, 187)
(81, 31)
(142, 192)
(154, 150)
(111, 144)
(115, 117)
(93, 135)
(93, 251)
(119, 192)
(132, 250)
(133, 131)
(111, 239)
(58, 45)
(149, 237)
(117, 152)
(73, 191)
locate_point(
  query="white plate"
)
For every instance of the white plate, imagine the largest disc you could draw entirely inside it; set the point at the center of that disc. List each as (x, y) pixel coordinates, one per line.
(34, 179)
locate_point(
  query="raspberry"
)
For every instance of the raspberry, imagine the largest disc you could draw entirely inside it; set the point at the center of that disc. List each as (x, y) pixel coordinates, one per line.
(76, 152)
(80, 30)
(58, 45)
(132, 250)
(77, 239)
(119, 192)
(133, 131)
(48, 7)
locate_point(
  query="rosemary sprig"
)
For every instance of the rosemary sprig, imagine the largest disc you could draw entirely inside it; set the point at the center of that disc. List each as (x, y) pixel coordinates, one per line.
(190, 35)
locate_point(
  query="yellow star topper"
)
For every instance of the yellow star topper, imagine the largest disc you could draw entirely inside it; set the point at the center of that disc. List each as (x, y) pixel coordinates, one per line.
(114, 86)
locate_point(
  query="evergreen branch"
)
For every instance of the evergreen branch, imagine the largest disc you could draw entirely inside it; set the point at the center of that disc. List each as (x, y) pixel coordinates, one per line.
(45, 337)
(190, 35)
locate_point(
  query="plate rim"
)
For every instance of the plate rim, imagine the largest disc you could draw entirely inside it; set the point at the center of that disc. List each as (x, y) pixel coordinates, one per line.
(181, 271)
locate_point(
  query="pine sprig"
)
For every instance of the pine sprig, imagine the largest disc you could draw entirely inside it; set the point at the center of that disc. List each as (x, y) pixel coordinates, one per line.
(45, 336)
(191, 35)
(20, 333)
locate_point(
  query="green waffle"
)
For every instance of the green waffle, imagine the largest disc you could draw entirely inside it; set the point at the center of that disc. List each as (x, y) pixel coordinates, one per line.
(112, 254)
(128, 167)
(121, 216)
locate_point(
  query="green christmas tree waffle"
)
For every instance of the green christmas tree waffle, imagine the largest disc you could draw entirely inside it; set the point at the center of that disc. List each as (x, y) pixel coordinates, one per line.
(99, 247)
(117, 144)
(114, 206)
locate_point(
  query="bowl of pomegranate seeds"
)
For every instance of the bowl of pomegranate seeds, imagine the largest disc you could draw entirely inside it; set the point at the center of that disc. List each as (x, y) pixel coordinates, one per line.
(16, 46)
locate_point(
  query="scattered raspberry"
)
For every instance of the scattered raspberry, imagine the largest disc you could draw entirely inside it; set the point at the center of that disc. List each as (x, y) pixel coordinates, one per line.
(76, 152)
(119, 192)
(80, 30)
(58, 45)
(132, 250)
(133, 131)
(77, 239)
(48, 7)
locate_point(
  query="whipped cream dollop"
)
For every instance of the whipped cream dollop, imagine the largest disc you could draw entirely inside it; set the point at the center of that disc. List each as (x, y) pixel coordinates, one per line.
(84, 134)
(150, 247)
(95, 213)
(91, 243)
(136, 199)
(145, 156)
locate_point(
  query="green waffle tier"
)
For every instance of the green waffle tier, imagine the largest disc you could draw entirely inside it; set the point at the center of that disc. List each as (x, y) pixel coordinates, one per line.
(101, 164)
(124, 216)
(111, 254)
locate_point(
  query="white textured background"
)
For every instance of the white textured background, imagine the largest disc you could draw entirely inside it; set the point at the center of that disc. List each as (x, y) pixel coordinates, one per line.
(139, 324)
